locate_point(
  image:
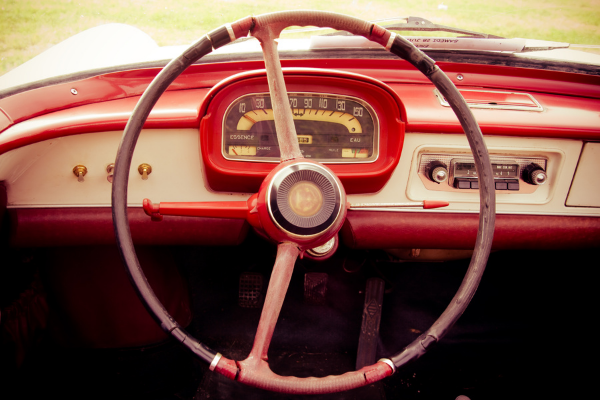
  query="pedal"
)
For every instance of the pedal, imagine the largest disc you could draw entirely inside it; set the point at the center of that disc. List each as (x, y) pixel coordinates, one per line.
(369, 330)
(250, 291)
(315, 287)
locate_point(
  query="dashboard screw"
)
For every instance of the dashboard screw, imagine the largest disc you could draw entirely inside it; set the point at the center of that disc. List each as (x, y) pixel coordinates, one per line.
(110, 169)
(145, 170)
(460, 77)
(73, 91)
(80, 171)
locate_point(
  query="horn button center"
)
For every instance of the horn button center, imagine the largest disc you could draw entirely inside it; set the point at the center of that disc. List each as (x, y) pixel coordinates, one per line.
(305, 198)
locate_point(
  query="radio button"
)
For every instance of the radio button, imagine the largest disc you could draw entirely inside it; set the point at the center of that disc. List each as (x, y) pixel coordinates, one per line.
(501, 186)
(462, 183)
(513, 184)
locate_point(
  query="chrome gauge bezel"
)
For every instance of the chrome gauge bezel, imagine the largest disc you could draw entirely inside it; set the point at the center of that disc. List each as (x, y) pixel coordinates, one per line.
(376, 131)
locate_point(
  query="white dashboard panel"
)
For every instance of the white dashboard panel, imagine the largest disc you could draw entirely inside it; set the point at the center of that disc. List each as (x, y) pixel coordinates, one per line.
(585, 191)
(41, 174)
(549, 199)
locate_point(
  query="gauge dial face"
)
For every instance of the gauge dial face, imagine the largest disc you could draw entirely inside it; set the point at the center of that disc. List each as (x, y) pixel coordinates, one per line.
(330, 128)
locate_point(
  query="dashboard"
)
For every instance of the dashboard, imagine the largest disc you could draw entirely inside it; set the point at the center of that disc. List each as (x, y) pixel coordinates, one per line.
(385, 132)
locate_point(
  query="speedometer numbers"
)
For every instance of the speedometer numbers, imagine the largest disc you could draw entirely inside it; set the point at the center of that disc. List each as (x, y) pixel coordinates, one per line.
(329, 128)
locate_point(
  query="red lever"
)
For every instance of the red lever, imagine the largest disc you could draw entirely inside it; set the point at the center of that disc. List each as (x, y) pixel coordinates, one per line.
(152, 210)
(435, 204)
(216, 209)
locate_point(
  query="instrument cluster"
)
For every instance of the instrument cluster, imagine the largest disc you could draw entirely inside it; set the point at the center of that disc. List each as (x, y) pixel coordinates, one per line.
(351, 122)
(330, 128)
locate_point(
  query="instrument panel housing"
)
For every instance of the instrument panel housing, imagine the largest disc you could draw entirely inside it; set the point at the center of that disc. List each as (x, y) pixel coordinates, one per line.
(246, 176)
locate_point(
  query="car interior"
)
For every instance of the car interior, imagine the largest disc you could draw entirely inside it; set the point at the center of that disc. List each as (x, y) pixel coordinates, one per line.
(254, 217)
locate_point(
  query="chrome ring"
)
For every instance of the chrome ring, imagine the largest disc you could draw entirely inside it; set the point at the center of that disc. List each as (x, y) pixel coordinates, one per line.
(390, 41)
(215, 361)
(230, 31)
(388, 362)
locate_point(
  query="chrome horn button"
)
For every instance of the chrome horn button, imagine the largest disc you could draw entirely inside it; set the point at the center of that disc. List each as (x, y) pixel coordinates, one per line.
(304, 199)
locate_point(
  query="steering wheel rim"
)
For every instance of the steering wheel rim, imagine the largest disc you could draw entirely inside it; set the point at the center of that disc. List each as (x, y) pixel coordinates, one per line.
(266, 28)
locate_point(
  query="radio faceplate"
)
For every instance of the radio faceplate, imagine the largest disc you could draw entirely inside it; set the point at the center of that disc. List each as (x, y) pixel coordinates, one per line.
(456, 172)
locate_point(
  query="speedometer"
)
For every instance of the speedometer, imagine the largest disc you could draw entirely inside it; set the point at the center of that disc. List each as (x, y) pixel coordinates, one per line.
(330, 128)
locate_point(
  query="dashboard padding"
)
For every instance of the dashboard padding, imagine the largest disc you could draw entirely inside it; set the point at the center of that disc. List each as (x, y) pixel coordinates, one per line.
(45, 227)
(383, 230)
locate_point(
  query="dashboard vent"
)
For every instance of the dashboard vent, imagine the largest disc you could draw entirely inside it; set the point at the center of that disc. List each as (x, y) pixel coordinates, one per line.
(496, 100)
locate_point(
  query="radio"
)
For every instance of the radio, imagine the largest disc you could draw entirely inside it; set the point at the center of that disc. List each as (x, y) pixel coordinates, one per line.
(456, 172)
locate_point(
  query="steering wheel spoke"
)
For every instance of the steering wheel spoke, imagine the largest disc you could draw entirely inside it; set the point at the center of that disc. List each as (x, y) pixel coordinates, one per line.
(278, 285)
(282, 113)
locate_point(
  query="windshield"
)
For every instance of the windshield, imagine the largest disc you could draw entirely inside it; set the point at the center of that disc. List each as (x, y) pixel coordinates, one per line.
(29, 27)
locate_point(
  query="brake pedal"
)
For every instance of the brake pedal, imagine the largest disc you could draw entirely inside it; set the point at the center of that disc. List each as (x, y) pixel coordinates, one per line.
(369, 330)
(250, 290)
(315, 287)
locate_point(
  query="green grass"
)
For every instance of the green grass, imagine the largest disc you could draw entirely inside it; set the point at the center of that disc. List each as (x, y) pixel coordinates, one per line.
(28, 27)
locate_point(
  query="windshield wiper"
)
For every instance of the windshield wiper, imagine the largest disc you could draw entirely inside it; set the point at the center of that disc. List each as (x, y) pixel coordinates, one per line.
(423, 25)
(468, 41)
(413, 24)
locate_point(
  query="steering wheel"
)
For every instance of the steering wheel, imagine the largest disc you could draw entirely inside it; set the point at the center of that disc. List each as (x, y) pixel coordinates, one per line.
(300, 205)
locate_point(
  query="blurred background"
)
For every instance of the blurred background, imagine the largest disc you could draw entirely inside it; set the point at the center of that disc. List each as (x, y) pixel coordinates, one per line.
(28, 27)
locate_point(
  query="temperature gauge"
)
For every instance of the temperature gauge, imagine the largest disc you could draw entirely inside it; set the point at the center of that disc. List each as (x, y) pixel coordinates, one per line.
(355, 153)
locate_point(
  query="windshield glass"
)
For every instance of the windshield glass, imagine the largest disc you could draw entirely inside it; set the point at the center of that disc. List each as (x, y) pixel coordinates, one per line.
(29, 27)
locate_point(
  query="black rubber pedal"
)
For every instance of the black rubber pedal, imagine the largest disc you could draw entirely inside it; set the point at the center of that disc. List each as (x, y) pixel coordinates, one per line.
(315, 287)
(250, 292)
(369, 330)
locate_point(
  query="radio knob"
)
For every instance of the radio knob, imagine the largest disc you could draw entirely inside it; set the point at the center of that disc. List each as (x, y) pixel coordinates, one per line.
(534, 174)
(437, 171)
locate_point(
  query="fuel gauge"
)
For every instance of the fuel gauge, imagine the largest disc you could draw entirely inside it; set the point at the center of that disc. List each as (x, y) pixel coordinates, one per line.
(242, 150)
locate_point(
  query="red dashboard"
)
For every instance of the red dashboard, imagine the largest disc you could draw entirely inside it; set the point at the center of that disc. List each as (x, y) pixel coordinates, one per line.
(402, 101)
(109, 96)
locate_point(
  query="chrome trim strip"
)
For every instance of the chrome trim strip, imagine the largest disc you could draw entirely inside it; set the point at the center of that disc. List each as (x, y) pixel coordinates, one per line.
(538, 107)
(569, 212)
